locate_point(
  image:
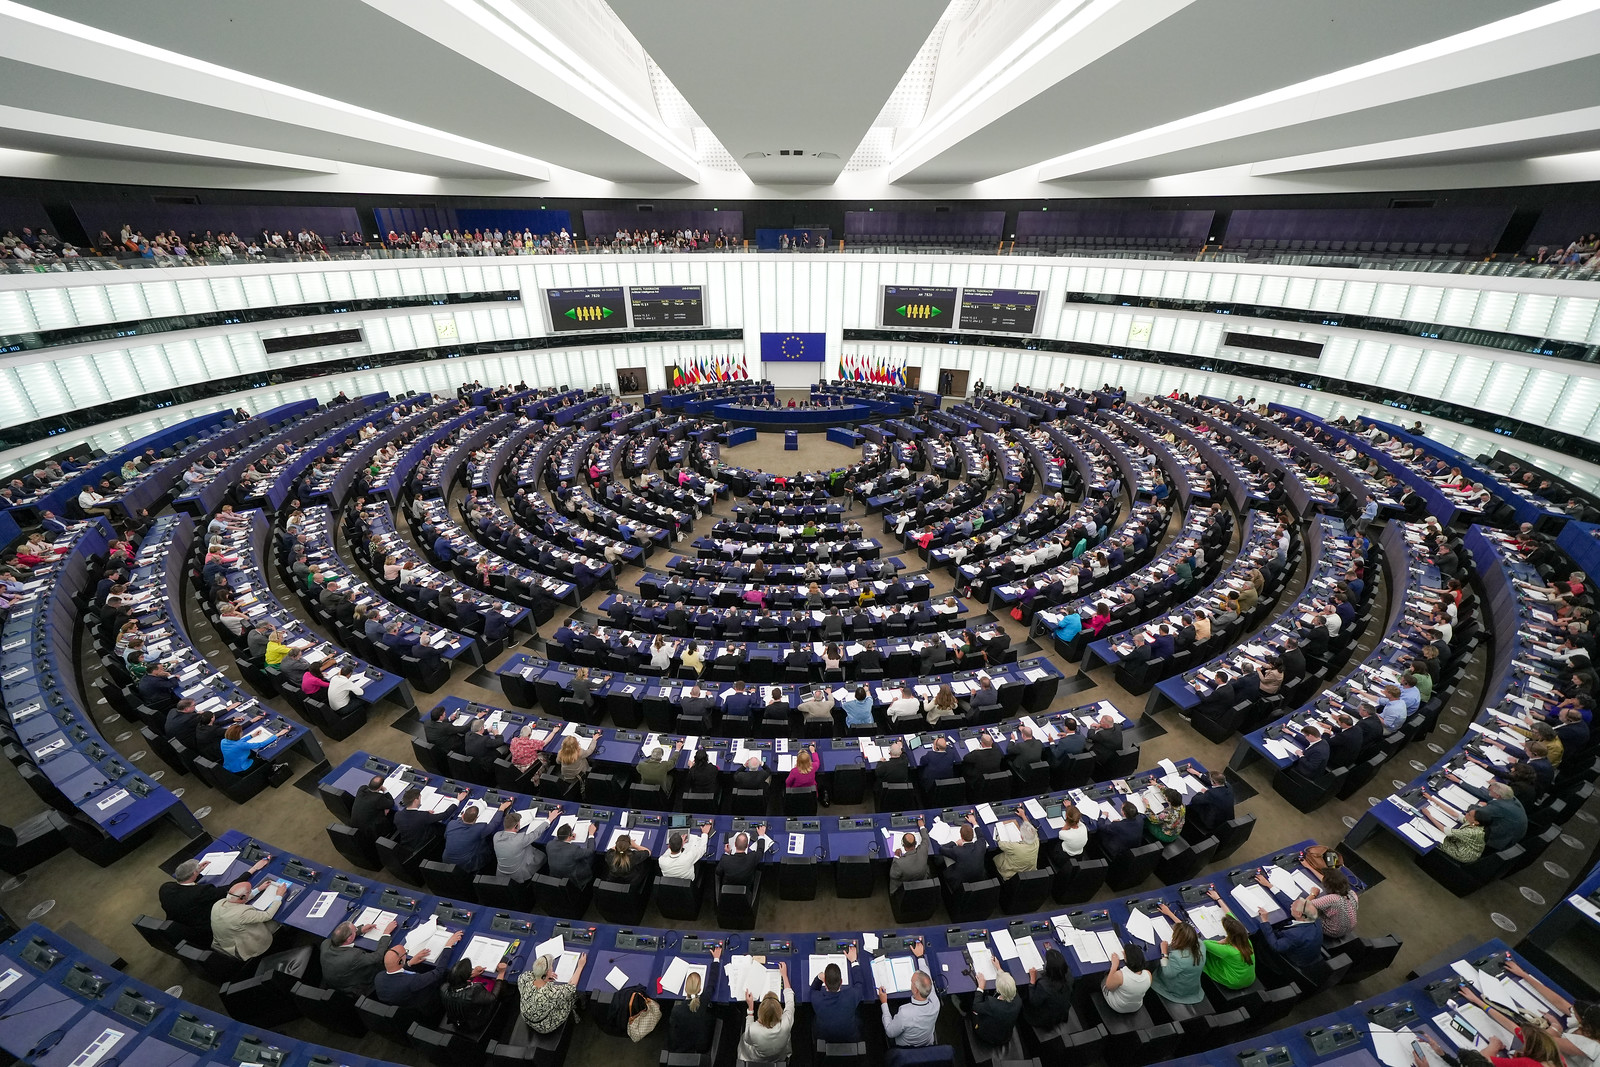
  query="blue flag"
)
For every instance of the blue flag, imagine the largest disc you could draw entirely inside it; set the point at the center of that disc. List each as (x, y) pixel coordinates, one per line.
(793, 347)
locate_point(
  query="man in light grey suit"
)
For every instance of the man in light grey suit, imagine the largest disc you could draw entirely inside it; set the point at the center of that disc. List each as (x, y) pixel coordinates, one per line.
(910, 863)
(516, 856)
(348, 968)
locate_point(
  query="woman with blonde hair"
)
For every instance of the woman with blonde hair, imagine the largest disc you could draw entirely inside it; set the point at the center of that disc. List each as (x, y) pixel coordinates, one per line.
(692, 658)
(766, 1034)
(690, 1026)
(943, 706)
(573, 759)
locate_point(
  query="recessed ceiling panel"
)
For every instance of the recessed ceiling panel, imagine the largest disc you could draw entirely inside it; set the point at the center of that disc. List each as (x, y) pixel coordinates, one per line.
(1207, 55)
(769, 77)
(347, 50)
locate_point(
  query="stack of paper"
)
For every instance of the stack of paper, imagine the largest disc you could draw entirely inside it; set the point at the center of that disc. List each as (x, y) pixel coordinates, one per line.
(1207, 919)
(430, 936)
(747, 975)
(1028, 954)
(636, 836)
(943, 833)
(1252, 898)
(580, 830)
(678, 972)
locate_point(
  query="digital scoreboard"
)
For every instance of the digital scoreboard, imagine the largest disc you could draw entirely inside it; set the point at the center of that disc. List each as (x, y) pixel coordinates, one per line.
(580, 310)
(999, 310)
(656, 306)
(924, 307)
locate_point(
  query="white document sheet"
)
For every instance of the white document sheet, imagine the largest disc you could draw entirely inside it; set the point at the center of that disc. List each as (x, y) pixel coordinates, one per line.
(485, 952)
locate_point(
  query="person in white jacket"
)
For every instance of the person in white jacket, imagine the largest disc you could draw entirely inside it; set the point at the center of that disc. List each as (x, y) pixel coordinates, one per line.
(766, 1033)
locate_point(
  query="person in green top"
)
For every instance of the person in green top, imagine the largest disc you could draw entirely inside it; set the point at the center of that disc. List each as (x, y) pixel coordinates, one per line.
(1177, 977)
(1422, 680)
(1231, 961)
(1166, 824)
(1464, 843)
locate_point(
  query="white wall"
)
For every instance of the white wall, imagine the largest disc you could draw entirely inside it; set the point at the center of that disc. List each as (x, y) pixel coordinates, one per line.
(826, 294)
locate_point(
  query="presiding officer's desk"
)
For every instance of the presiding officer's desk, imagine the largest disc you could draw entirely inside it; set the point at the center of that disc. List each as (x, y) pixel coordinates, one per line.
(1349, 1036)
(529, 680)
(797, 418)
(60, 1007)
(39, 688)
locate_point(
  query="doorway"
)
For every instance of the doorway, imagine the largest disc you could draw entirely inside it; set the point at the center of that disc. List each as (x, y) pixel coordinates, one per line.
(630, 380)
(913, 377)
(952, 383)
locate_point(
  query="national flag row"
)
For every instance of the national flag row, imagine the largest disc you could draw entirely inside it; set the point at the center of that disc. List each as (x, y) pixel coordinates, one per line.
(703, 369)
(878, 369)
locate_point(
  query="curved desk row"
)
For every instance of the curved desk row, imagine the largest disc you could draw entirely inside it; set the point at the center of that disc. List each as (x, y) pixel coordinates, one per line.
(39, 688)
(644, 953)
(529, 680)
(64, 1007)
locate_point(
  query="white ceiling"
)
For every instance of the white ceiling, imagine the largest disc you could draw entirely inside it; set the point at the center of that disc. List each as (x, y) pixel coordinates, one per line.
(700, 98)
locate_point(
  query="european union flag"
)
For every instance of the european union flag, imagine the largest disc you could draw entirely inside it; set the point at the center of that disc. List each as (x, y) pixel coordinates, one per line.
(793, 347)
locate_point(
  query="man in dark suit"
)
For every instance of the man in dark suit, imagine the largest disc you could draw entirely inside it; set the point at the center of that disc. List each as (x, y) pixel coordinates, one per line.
(158, 689)
(739, 704)
(1069, 743)
(415, 829)
(965, 860)
(372, 810)
(408, 982)
(1371, 726)
(566, 858)
(740, 862)
(187, 902)
(985, 759)
(1315, 639)
(444, 735)
(697, 703)
(1292, 660)
(1314, 757)
(895, 768)
(1105, 740)
(1163, 645)
(1299, 941)
(208, 735)
(1344, 742)
(1212, 808)
(752, 775)
(483, 748)
(1117, 836)
(868, 659)
(181, 723)
(1024, 751)
(939, 763)
(349, 968)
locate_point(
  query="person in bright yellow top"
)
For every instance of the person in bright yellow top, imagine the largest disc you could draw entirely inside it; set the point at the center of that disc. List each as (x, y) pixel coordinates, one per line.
(1231, 961)
(276, 649)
